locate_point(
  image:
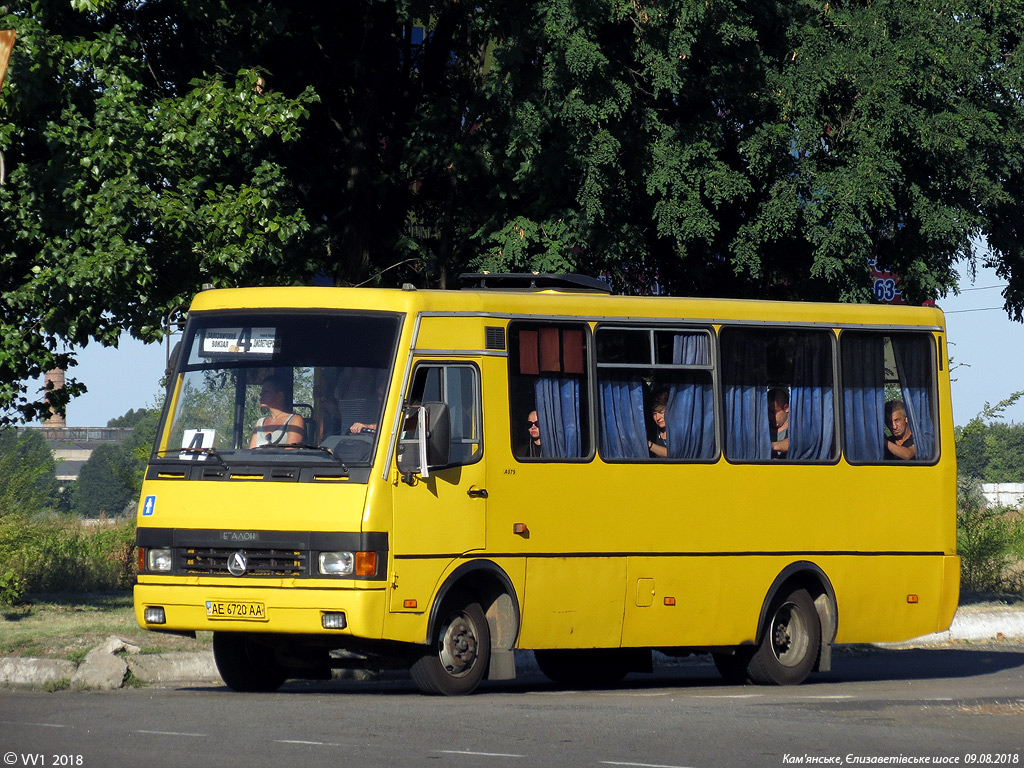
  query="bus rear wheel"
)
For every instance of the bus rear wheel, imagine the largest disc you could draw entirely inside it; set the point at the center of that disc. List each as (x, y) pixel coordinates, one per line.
(457, 659)
(245, 665)
(791, 642)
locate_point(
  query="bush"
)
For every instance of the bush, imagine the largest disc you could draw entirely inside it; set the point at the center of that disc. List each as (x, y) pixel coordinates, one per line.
(990, 541)
(52, 554)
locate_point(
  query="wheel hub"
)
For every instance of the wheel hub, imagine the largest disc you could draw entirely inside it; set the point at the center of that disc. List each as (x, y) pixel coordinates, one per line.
(458, 646)
(789, 635)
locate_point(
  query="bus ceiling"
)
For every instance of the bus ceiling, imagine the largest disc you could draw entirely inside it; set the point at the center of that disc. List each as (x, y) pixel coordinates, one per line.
(532, 281)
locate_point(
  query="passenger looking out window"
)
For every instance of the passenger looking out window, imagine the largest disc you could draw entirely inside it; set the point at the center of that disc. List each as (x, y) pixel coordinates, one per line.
(778, 416)
(658, 444)
(899, 444)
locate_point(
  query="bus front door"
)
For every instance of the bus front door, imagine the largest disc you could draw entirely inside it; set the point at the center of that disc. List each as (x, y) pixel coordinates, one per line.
(442, 517)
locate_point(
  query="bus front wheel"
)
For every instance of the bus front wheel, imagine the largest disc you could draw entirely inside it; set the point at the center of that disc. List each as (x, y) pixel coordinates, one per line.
(791, 642)
(246, 665)
(456, 661)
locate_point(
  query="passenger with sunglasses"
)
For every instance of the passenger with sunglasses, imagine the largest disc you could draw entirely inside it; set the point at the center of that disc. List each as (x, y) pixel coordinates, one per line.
(532, 446)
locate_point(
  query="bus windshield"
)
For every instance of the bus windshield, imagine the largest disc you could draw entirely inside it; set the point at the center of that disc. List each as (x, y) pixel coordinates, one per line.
(298, 384)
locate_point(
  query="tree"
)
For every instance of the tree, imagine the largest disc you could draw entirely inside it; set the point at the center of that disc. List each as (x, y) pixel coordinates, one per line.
(27, 481)
(104, 485)
(708, 148)
(988, 450)
(112, 477)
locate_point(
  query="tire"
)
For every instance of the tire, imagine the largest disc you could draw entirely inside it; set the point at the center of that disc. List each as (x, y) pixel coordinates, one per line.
(584, 668)
(457, 659)
(791, 642)
(245, 665)
(733, 666)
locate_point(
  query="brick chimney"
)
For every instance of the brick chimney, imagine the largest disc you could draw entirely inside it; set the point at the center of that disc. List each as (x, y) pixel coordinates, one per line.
(54, 380)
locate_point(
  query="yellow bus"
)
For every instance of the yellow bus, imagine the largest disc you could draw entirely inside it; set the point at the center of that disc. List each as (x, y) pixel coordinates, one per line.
(437, 479)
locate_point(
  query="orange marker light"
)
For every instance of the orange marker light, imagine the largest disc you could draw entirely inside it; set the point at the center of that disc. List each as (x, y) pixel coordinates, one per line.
(366, 563)
(670, 601)
(409, 604)
(911, 598)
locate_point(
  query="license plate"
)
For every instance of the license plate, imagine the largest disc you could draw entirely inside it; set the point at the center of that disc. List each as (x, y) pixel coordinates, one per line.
(232, 609)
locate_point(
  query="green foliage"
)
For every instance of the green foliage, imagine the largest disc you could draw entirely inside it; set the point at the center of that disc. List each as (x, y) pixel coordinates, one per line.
(129, 419)
(708, 148)
(989, 450)
(51, 554)
(110, 481)
(104, 485)
(27, 481)
(990, 541)
(12, 589)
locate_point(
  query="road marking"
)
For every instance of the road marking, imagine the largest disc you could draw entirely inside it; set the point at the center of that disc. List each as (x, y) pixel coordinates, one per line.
(474, 754)
(170, 733)
(641, 765)
(308, 743)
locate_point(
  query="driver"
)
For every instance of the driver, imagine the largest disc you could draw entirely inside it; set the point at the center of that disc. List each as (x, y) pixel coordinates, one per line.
(279, 427)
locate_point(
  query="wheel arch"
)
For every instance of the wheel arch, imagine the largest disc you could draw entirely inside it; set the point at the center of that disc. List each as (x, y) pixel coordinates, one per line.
(487, 583)
(806, 575)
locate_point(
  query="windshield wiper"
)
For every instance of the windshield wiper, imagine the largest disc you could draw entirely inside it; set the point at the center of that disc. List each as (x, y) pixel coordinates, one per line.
(308, 447)
(200, 452)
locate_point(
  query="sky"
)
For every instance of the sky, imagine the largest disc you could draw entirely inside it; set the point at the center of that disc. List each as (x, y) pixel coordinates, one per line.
(987, 350)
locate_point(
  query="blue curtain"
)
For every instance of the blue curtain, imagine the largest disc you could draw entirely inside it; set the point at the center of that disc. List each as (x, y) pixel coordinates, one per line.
(913, 364)
(623, 428)
(864, 396)
(811, 410)
(745, 370)
(558, 410)
(690, 412)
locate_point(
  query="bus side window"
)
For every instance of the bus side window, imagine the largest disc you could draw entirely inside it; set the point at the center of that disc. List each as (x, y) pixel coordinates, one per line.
(548, 366)
(757, 366)
(886, 374)
(643, 370)
(457, 385)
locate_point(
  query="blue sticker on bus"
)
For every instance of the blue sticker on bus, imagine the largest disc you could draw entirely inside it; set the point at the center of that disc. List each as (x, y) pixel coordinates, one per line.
(148, 506)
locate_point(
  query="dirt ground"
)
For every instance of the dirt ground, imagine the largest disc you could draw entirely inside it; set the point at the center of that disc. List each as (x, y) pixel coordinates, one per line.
(69, 626)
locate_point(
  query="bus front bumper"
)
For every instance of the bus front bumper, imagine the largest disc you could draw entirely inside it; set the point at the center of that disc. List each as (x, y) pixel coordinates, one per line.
(185, 608)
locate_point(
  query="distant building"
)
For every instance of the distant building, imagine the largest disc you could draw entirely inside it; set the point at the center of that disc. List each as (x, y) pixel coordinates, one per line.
(1004, 494)
(72, 446)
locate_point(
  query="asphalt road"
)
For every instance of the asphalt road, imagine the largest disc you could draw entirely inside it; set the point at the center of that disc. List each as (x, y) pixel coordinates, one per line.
(920, 706)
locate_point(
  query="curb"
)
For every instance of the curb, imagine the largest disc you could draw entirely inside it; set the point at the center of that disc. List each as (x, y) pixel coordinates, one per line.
(117, 663)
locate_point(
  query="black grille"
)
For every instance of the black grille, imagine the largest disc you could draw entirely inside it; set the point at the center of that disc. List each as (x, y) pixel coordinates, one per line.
(213, 561)
(494, 337)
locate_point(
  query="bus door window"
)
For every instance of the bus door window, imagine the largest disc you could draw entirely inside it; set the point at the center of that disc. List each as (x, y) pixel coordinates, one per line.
(548, 375)
(458, 386)
(889, 397)
(640, 370)
(767, 370)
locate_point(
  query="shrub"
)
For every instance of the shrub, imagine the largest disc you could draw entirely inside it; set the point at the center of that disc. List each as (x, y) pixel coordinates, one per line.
(54, 554)
(990, 541)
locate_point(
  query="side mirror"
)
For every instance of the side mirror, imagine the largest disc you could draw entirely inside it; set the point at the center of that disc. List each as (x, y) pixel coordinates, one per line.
(425, 441)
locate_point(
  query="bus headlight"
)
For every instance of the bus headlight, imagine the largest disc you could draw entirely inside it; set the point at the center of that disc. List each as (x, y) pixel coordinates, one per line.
(348, 563)
(337, 563)
(159, 560)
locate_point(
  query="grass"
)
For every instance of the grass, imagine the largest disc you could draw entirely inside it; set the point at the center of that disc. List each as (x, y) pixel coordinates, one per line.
(68, 626)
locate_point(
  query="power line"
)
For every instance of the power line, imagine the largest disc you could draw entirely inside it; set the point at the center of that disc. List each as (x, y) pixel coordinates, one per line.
(983, 288)
(978, 309)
